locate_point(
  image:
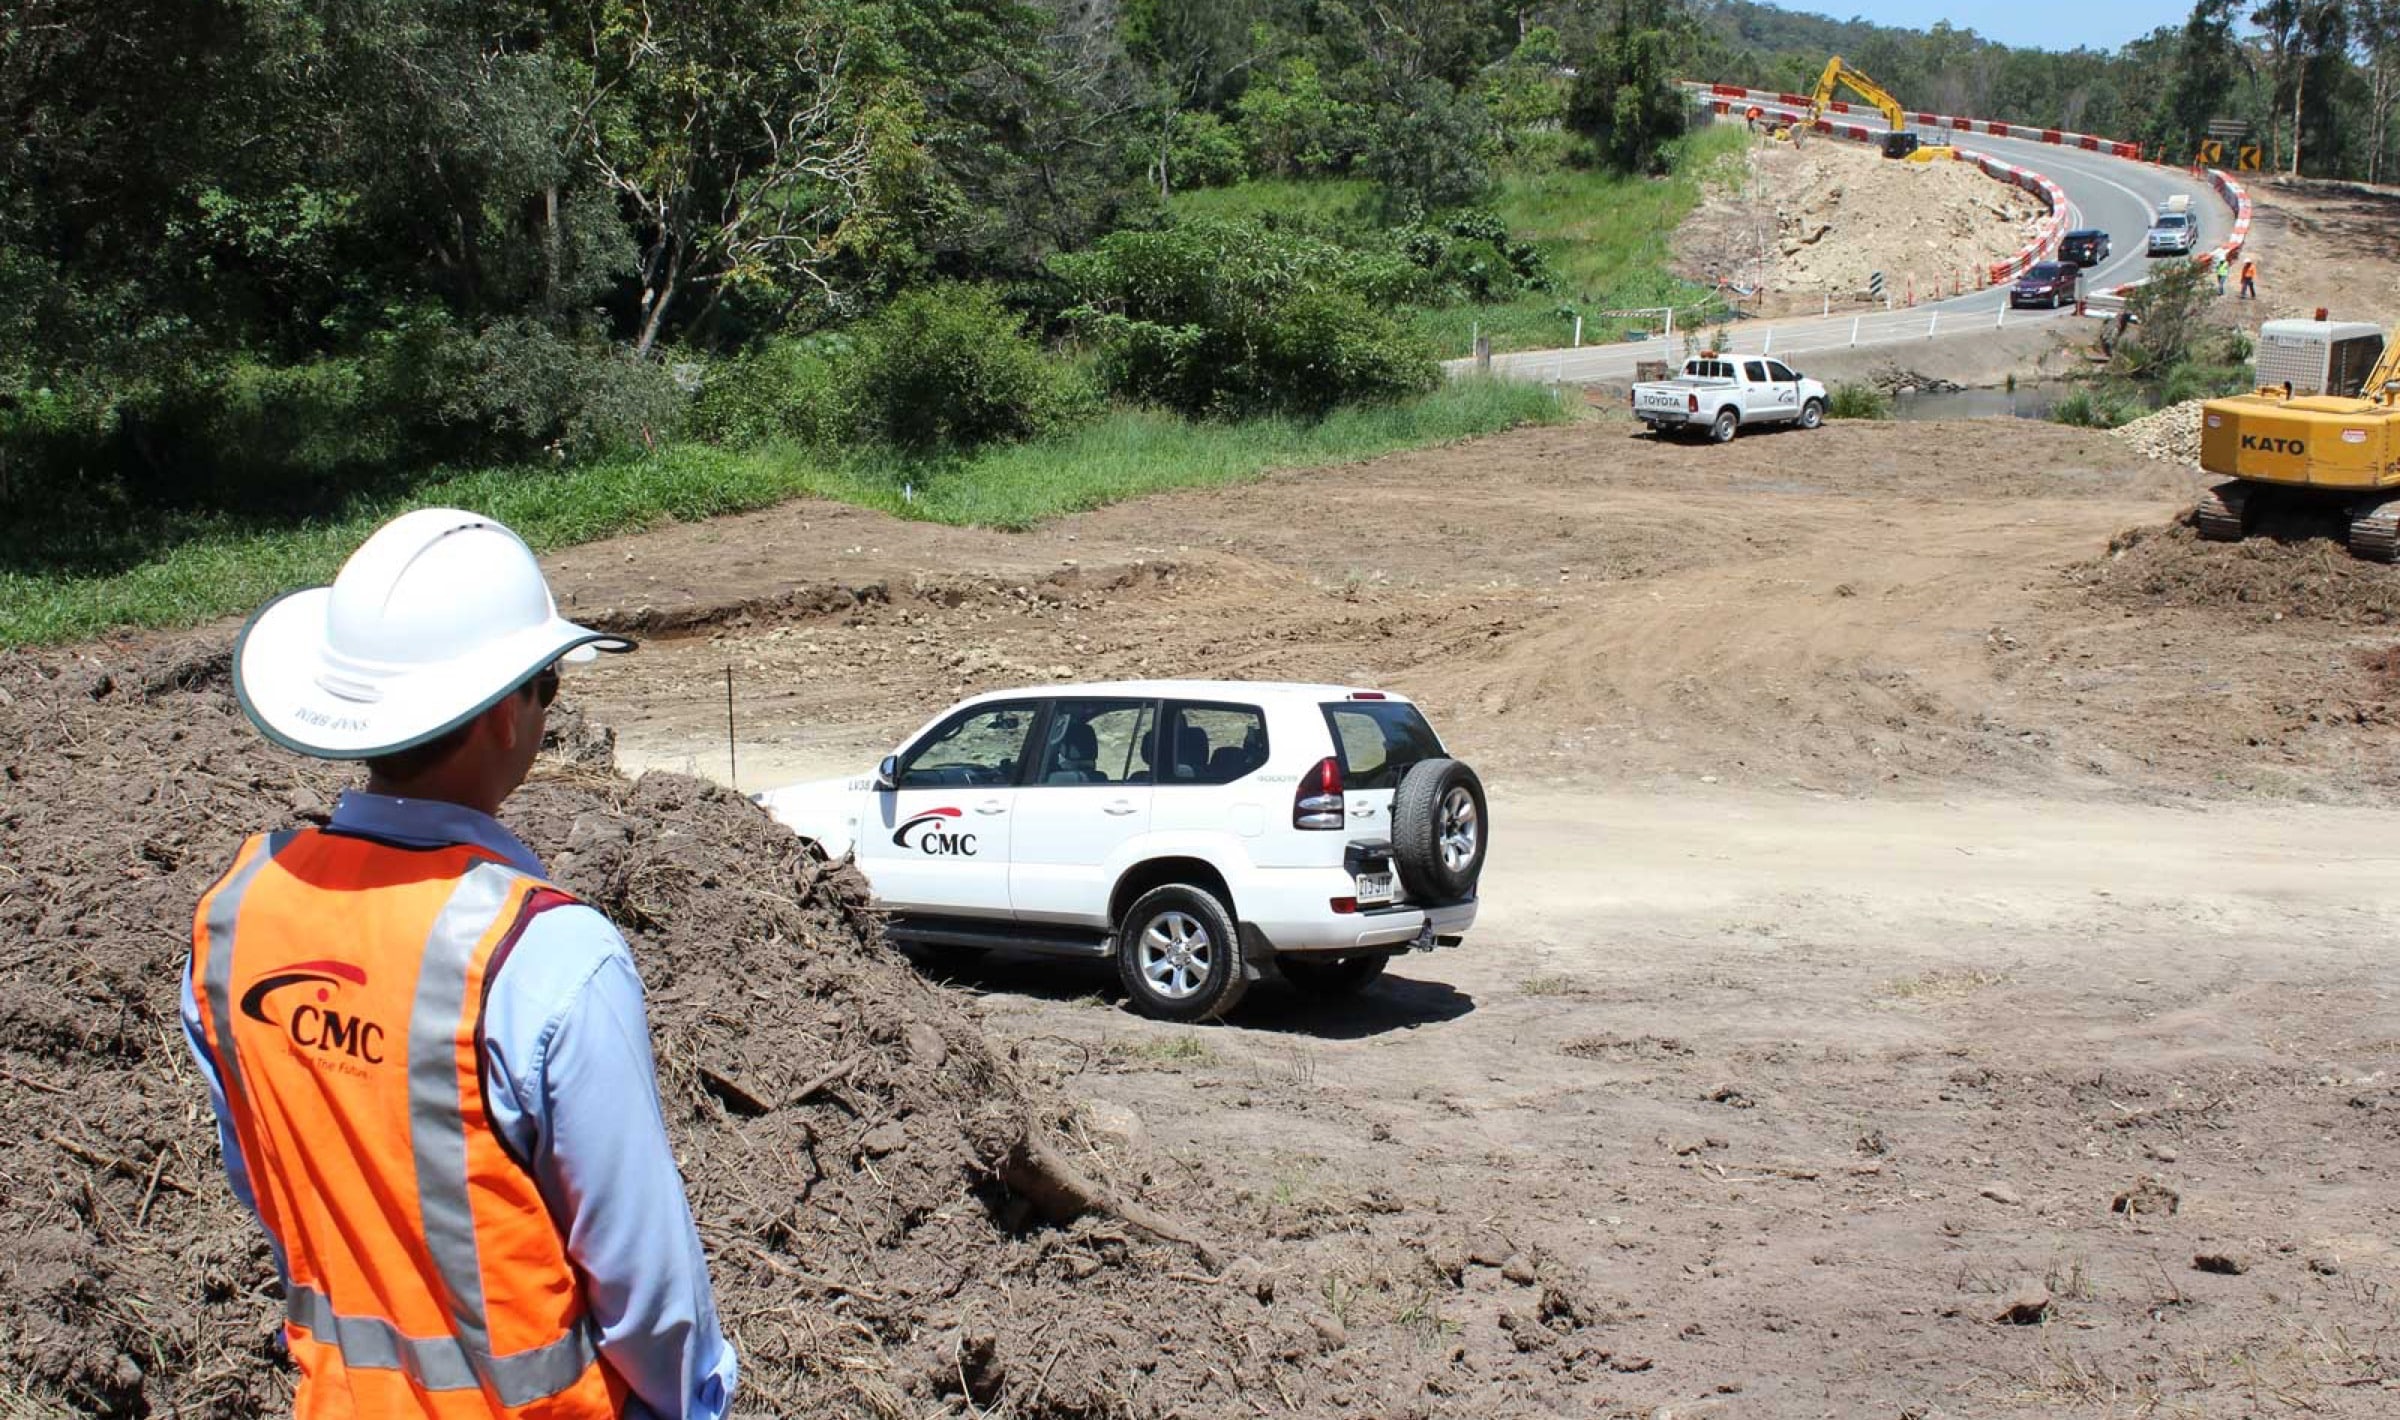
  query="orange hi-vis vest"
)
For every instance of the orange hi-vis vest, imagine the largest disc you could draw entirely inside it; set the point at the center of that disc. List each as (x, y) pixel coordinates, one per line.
(341, 983)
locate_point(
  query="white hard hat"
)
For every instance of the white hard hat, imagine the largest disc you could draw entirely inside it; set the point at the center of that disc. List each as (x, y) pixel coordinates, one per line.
(432, 621)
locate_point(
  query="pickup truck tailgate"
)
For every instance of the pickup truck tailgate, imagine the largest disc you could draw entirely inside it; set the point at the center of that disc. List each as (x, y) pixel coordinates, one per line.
(1660, 397)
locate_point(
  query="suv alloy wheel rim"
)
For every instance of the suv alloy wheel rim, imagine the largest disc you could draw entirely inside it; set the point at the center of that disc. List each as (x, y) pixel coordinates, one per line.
(1175, 955)
(1459, 829)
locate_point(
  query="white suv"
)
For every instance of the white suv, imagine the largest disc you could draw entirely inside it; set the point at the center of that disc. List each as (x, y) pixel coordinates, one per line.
(1195, 831)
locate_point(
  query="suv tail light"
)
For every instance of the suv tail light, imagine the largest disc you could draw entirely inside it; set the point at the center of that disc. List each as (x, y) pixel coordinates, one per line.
(1318, 804)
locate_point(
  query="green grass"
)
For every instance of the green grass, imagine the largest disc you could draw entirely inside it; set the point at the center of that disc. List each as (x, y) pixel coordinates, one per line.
(1604, 237)
(1606, 241)
(1857, 401)
(1340, 202)
(207, 568)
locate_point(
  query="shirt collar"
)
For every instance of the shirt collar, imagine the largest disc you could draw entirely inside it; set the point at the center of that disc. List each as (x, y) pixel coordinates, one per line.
(430, 823)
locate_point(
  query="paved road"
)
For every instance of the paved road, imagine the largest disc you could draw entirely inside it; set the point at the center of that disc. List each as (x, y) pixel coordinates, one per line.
(2116, 195)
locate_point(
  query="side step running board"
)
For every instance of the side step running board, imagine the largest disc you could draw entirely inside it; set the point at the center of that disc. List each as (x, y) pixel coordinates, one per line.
(997, 936)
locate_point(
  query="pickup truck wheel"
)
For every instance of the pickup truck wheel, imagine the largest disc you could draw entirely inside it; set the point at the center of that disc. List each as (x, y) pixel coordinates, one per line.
(1179, 955)
(1440, 830)
(1333, 976)
(1723, 430)
(1812, 414)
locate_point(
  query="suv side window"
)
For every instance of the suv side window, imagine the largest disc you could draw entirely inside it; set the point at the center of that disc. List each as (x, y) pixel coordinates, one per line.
(1097, 742)
(1379, 741)
(1756, 370)
(984, 745)
(1781, 373)
(1212, 744)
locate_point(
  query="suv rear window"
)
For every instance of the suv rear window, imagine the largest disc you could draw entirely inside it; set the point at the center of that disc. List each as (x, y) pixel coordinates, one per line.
(1379, 741)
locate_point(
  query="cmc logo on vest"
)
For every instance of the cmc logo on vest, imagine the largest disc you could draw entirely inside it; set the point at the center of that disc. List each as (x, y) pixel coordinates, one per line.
(315, 1021)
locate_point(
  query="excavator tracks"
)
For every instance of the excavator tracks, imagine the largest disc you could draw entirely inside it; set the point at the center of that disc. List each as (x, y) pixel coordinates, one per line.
(2375, 530)
(2220, 514)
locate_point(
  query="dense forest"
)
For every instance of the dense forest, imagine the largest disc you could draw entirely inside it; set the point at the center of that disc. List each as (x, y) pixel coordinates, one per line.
(263, 254)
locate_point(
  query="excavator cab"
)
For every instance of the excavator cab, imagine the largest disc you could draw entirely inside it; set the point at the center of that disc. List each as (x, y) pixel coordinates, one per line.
(1899, 145)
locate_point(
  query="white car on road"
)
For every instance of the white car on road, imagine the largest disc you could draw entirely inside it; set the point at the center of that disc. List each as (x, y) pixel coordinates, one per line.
(1197, 832)
(1722, 393)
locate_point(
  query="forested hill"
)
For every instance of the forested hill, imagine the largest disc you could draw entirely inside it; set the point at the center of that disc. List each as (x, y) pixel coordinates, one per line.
(262, 254)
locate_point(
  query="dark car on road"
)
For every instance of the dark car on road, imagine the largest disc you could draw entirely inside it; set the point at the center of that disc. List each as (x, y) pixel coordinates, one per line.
(2047, 283)
(2086, 246)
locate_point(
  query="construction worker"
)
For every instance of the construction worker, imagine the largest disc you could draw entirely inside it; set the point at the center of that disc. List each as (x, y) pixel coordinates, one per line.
(2224, 268)
(431, 1069)
(2249, 278)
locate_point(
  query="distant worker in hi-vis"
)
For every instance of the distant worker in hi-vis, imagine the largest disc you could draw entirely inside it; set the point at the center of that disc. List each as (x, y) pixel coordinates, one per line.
(431, 1068)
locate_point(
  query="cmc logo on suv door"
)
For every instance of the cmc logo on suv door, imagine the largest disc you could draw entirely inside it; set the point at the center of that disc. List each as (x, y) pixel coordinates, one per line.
(931, 833)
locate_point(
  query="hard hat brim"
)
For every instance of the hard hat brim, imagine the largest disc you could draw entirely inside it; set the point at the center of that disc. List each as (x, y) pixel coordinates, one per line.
(280, 669)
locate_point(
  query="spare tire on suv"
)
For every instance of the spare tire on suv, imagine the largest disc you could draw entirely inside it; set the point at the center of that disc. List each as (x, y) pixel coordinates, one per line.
(1438, 830)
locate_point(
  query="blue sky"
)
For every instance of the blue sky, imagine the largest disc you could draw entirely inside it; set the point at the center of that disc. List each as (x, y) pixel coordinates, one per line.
(2041, 24)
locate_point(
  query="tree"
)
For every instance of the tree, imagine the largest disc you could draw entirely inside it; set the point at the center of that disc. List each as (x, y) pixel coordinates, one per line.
(737, 139)
(2204, 74)
(1625, 99)
(2375, 29)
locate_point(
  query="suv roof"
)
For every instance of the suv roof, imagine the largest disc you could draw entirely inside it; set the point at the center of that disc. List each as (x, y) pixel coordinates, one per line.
(2085, 232)
(1192, 690)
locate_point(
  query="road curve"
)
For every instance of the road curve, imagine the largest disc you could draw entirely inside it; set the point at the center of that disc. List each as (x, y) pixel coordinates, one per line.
(2114, 194)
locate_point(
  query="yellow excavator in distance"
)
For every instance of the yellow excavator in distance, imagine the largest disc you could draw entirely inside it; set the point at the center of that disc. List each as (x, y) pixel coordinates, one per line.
(1900, 142)
(2315, 429)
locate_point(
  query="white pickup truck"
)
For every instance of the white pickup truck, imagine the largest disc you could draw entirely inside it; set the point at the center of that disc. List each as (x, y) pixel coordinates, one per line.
(1721, 393)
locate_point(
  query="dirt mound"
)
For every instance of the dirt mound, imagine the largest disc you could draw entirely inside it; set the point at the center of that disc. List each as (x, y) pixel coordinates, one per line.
(1817, 218)
(2294, 568)
(874, 1182)
(2172, 435)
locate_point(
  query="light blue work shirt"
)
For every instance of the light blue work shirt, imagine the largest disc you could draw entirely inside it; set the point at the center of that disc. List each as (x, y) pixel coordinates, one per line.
(572, 1089)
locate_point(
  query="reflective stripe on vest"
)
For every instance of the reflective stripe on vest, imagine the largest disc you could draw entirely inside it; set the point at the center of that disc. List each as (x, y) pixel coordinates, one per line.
(454, 1162)
(443, 1362)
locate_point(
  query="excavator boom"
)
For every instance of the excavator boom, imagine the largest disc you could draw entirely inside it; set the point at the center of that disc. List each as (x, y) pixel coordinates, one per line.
(1837, 75)
(1899, 142)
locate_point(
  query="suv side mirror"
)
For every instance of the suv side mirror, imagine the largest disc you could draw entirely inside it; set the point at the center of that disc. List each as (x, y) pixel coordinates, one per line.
(887, 774)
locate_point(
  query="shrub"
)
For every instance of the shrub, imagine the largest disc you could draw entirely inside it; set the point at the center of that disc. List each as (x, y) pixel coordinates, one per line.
(1203, 150)
(950, 367)
(1233, 318)
(2168, 313)
(520, 386)
(1470, 252)
(1857, 401)
(785, 389)
(2088, 410)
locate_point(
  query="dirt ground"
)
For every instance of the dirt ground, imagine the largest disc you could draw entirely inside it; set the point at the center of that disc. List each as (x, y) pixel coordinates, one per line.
(1931, 963)
(1920, 864)
(2324, 244)
(1815, 219)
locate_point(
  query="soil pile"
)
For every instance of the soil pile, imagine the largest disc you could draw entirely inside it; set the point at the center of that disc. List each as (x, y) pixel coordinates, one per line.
(2294, 567)
(875, 1183)
(1817, 219)
(2172, 435)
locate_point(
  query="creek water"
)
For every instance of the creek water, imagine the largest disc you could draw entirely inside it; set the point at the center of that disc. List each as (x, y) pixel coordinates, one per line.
(2026, 401)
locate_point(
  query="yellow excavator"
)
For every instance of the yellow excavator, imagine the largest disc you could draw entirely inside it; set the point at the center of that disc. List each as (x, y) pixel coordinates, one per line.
(1900, 142)
(2322, 426)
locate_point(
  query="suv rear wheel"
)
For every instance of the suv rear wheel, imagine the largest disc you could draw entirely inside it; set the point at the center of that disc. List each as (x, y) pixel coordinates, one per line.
(1179, 956)
(1728, 422)
(1333, 976)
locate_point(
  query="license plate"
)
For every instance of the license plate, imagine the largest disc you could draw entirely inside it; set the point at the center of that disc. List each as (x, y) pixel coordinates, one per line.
(1374, 889)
